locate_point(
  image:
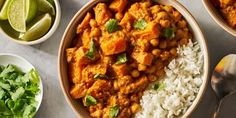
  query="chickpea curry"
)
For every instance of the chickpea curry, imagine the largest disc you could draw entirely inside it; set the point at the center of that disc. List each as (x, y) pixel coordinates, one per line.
(120, 48)
(227, 9)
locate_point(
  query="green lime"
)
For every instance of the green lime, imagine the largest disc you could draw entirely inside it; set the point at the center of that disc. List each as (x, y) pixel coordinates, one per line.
(38, 28)
(46, 6)
(1, 3)
(3, 12)
(31, 9)
(51, 2)
(16, 15)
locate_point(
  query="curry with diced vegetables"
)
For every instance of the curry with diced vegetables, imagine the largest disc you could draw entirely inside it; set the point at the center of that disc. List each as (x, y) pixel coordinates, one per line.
(227, 9)
(120, 48)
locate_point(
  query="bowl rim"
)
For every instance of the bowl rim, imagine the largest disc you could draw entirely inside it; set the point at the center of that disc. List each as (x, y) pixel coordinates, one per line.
(204, 51)
(40, 95)
(46, 36)
(218, 18)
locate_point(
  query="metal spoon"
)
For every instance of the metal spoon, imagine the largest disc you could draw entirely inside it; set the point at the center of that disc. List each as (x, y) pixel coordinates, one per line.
(223, 80)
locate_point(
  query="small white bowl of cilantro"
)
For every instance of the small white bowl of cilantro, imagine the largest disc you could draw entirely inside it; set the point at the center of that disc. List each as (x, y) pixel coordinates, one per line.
(21, 89)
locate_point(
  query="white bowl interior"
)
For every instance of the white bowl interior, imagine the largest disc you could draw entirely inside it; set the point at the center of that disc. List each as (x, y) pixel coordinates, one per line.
(47, 35)
(70, 33)
(23, 64)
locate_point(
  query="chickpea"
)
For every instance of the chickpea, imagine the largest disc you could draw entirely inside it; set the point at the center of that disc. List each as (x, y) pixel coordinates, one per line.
(156, 52)
(165, 55)
(163, 44)
(142, 67)
(165, 23)
(168, 9)
(172, 43)
(179, 34)
(93, 23)
(135, 73)
(152, 78)
(97, 114)
(96, 32)
(160, 73)
(134, 65)
(135, 108)
(182, 24)
(115, 84)
(154, 42)
(177, 15)
(173, 52)
(151, 69)
(162, 15)
(119, 16)
(183, 41)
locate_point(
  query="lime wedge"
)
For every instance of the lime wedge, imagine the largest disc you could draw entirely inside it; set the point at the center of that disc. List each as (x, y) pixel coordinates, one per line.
(16, 15)
(38, 28)
(3, 12)
(1, 3)
(46, 6)
(51, 2)
(31, 10)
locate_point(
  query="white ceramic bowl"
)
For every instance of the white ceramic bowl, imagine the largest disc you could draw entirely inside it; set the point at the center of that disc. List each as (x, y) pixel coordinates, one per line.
(47, 35)
(25, 66)
(70, 33)
(218, 18)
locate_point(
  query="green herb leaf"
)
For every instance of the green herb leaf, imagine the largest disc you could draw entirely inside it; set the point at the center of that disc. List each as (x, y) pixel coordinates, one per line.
(2, 93)
(29, 110)
(159, 86)
(97, 76)
(90, 100)
(121, 59)
(114, 111)
(112, 25)
(141, 24)
(17, 92)
(91, 52)
(169, 33)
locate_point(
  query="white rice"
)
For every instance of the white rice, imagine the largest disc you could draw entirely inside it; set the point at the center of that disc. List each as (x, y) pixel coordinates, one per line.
(182, 82)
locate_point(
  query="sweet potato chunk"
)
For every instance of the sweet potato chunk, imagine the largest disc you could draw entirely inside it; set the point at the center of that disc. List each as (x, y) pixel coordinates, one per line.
(85, 37)
(118, 5)
(143, 57)
(75, 72)
(227, 2)
(102, 14)
(76, 59)
(84, 23)
(100, 89)
(143, 44)
(70, 54)
(90, 70)
(120, 70)
(126, 21)
(80, 57)
(136, 86)
(115, 44)
(78, 91)
(150, 32)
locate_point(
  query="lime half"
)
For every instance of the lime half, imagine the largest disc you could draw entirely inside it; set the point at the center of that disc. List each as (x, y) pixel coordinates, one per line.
(46, 6)
(4, 8)
(16, 15)
(31, 10)
(38, 28)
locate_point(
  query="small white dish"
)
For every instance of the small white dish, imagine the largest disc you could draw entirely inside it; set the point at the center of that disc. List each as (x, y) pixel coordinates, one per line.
(47, 35)
(25, 66)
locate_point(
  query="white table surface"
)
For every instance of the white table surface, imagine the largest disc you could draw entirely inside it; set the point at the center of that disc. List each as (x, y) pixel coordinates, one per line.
(44, 57)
